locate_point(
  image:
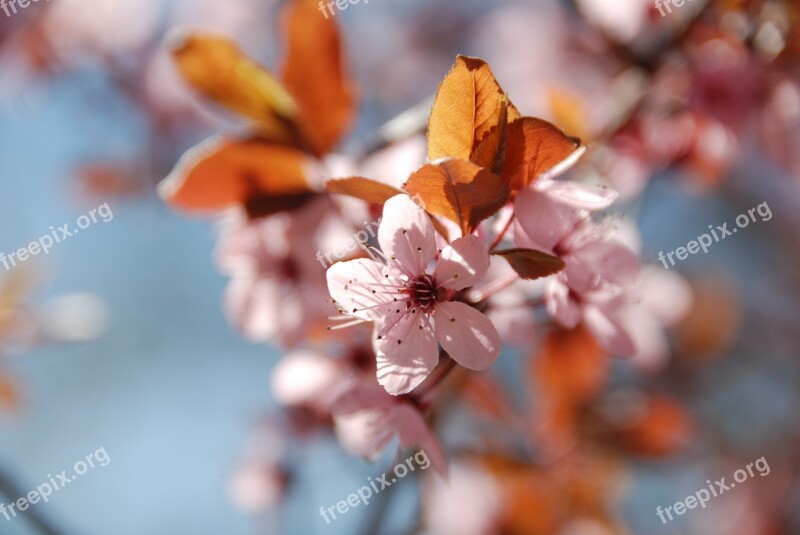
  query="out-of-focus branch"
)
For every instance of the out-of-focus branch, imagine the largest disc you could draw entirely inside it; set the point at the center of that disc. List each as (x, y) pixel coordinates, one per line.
(403, 126)
(11, 491)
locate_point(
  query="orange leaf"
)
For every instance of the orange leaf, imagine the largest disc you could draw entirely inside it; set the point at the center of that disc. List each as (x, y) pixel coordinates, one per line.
(535, 147)
(315, 74)
(569, 371)
(571, 367)
(486, 395)
(568, 110)
(222, 172)
(215, 67)
(366, 189)
(469, 115)
(531, 264)
(9, 394)
(491, 151)
(458, 190)
(663, 428)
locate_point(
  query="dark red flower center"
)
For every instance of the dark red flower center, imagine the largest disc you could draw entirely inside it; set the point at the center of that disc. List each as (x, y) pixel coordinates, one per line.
(422, 291)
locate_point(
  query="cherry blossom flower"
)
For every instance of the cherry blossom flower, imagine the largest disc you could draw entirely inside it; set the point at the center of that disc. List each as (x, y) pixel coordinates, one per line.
(663, 299)
(308, 378)
(411, 307)
(592, 286)
(366, 419)
(469, 502)
(259, 481)
(276, 287)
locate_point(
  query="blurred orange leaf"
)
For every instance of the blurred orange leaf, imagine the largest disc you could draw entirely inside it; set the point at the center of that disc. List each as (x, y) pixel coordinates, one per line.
(488, 396)
(314, 73)
(534, 147)
(568, 110)
(215, 67)
(712, 323)
(222, 172)
(469, 115)
(9, 394)
(570, 370)
(663, 428)
(571, 366)
(366, 189)
(458, 190)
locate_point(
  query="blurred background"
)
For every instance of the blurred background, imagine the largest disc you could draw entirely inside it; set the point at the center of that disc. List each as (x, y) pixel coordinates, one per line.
(117, 338)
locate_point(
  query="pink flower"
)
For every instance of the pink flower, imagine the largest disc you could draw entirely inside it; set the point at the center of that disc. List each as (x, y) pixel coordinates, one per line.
(306, 378)
(259, 481)
(469, 502)
(592, 287)
(276, 284)
(575, 194)
(664, 298)
(366, 419)
(570, 234)
(412, 308)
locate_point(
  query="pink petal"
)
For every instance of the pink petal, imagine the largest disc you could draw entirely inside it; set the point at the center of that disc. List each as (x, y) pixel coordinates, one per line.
(609, 260)
(577, 195)
(581, 275)
(608, 330)
(365, 433)
(251, 305)
(360, 395)
(649, 337)
(544, 221)
(406, 235)
(396, 162)
(359, 287)
(414, 432)
(467, 335)
(407, 353)
(304, 377)
(666, 293)
(560, 305)
(463, 263)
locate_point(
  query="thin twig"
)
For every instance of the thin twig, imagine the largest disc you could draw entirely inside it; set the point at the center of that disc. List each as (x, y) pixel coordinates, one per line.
(11, 491)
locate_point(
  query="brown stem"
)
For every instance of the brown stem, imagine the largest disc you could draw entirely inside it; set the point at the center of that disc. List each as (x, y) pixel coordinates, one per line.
(444, 368)
(502, 233)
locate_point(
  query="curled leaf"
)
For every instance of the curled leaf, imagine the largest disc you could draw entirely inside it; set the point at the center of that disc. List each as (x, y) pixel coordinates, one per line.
(531, 264)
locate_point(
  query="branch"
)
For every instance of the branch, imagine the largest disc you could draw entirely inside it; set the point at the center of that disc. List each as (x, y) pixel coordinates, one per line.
(11, 491)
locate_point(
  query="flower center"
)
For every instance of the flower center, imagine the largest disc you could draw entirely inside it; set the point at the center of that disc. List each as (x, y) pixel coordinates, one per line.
(422, 291)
